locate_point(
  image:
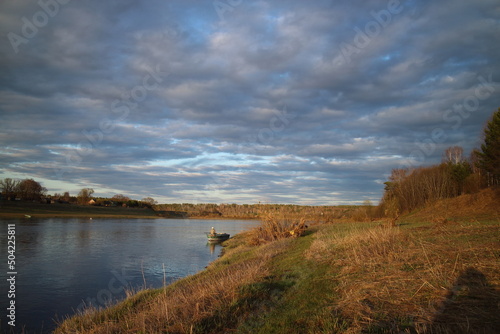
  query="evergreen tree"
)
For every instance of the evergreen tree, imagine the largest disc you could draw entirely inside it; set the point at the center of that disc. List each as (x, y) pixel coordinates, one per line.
(489, 157)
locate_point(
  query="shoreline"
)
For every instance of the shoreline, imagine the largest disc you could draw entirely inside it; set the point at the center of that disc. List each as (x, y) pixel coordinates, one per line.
(11, 215)
(64, 215)
(272, 287)
(323, 280)
(19, 210)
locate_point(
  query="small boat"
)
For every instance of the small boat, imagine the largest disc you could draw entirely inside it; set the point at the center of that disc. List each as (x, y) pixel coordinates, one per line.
(27, 216)
(217, 237)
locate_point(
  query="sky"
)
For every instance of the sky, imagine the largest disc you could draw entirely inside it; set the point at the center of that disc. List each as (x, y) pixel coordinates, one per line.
(238, 101)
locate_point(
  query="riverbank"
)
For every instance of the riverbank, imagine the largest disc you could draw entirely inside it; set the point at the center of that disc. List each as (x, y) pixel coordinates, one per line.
(435, 270)
(19, 209)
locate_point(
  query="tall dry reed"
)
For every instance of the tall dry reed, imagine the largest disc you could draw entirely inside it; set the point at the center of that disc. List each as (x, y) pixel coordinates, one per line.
(277, 225)
(179, 310)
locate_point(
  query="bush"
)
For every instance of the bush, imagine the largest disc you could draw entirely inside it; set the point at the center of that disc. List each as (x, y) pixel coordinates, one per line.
(277, 225)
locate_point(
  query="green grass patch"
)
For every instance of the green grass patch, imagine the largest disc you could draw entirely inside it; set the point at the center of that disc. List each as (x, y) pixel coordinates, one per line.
(299, 294)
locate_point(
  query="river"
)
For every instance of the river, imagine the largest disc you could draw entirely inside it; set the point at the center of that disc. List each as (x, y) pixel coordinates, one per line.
(61, 265)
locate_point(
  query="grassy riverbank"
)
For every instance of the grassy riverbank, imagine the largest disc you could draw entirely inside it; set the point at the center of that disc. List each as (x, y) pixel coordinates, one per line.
(433, 272)
(18, 209)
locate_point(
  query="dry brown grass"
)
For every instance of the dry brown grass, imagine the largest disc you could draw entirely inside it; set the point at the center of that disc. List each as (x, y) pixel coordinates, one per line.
(475, 206)
(174, 310)
(188, 306)
(277, 225)
(400, 279)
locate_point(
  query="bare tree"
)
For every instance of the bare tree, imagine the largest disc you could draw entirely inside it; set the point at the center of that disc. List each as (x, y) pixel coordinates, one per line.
(453, 154)
(66, 197)
(149, 200)
(9, 187)
(29, 189)
(85, 195)
(120, 198)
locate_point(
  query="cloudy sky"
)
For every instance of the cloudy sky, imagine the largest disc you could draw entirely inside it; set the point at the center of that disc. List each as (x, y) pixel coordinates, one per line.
(239, 101)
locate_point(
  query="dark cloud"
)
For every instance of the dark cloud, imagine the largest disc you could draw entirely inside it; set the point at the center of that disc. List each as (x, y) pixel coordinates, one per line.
(282, 101)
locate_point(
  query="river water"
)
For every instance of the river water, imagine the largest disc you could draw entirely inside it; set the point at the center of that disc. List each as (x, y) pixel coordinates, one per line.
(61, 265)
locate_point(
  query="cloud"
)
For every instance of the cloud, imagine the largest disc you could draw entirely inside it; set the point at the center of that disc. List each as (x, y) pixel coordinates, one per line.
(281, 101)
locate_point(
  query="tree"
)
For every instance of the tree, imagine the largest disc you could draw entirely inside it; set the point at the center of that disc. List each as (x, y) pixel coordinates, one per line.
(85, 195)
(30, 190)
(474, 161)
(148, 200)
(489, 156)
(453, 155)
(459, 172)
(9, 187)
(66, 197)
(120, 198)
(458, 167)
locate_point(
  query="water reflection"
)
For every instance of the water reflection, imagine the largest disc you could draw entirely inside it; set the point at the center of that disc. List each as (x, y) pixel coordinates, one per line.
(64, 264)
(215, 247)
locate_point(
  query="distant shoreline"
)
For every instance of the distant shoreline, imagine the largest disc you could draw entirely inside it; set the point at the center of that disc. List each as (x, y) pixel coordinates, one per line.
(19, 210)
(63, 215)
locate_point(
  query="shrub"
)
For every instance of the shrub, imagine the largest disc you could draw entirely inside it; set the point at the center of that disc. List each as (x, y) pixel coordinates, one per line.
(277, 225)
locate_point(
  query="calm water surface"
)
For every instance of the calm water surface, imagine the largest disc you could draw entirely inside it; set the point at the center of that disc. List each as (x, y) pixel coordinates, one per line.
(63, 264)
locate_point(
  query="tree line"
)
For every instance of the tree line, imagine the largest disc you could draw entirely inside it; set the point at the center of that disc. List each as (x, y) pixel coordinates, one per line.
(31, 190)
(27, 189)
(254, 211)
(408, 189)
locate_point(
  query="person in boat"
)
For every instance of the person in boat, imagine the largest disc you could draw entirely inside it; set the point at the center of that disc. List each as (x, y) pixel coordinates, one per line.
(212, 231)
